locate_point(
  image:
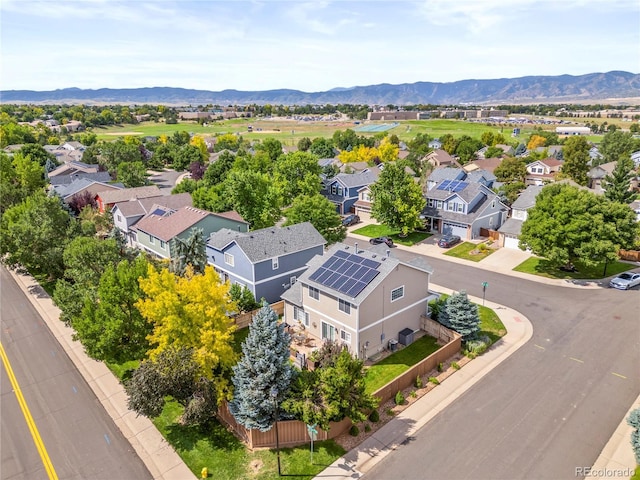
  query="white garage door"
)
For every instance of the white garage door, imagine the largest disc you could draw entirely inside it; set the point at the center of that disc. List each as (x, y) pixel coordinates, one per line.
(455, 229)
(511, 241)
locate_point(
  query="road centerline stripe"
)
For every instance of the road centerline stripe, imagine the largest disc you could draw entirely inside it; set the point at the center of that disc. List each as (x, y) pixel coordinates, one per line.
(37, 439)
(618, 375)
(576, 360)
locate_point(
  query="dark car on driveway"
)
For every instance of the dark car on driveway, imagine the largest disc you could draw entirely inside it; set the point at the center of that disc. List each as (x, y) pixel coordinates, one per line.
(448, 241)
(379, 240)
(350, 220)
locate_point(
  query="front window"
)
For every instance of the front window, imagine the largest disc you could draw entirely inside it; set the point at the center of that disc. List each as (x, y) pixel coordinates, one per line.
(345, 336)
(397, 293)
(301, 316)
(152, 240)
(334, 189)
(461, 207)
(344, 306)
(439, 203)
(228, 259)
(328, 332)
(162, 244)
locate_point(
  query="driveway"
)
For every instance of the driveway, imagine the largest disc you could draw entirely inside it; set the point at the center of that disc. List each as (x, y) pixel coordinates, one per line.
(165, 180)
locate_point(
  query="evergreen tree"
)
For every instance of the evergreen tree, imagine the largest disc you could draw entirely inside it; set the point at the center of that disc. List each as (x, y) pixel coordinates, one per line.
(262, 377)
(634, 421)
(617, 185)
(190, 251)
(461, 315)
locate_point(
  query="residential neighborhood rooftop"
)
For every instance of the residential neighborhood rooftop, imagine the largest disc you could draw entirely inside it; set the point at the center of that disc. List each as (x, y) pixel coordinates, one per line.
(115, 196)
(167, 226)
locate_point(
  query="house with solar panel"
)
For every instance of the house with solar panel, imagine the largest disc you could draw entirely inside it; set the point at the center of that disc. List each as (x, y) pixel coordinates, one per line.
(342, 190)
(266, 261)
(156, 230)
(463, 207)
(127, 213)
(361, 298)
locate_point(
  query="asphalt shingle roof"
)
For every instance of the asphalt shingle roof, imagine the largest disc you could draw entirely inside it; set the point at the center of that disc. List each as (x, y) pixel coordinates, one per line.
(168, 226)
(270, 242)
(361, 179)
(115, 196)
(139, 207)
(103, 177)
(512, 226)
(527, 198)
(446, 173)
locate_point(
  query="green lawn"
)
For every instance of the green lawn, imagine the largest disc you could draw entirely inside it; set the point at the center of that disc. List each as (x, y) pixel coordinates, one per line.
(123, 370)
(384, 231)
(239, 337)
(490, 324)
(227, 458)
(464, 251)
(399, 362)
(542, 267)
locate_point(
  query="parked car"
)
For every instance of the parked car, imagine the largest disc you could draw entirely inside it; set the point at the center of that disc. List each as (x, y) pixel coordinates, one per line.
(379, 240)
(625, 281)
(350, 220)
(448, 241)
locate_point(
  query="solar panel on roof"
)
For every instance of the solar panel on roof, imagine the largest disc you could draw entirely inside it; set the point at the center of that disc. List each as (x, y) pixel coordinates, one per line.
(317, 273)
(338, 283)
(158, 211)
(361, 272)
(356, 289)
(329, 262)
(353, 267)
(343, 268)
(337, 264)
(370, 275)
(347, 285)
(322, 278)
(356, 258)
(341, 254)
(370, 263)
(329, 281)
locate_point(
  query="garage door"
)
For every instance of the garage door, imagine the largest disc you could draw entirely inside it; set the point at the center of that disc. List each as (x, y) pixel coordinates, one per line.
(511, 241)
(455, 229)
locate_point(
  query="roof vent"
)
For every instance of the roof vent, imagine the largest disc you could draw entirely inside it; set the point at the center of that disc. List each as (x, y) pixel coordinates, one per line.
(373, 255)
(355, 245)
(388, 253)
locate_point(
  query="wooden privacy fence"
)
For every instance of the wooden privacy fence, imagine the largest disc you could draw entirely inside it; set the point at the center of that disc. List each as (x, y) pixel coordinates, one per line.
(452, 347)
(290, 432)
(491, 234)
(294, 432)
(244, 319)
(631, 255)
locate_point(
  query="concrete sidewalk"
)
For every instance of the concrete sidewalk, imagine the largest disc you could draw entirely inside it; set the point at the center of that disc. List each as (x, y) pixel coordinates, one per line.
(157, 454)
(374, 449)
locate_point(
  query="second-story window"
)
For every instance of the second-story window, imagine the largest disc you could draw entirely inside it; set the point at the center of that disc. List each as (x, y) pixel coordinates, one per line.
(228, 259)
(274, 263)
(314, 293)
(397, 293)
(344, 306)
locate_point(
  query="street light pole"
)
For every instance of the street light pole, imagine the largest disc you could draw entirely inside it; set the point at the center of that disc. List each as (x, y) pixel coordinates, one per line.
(274, 394)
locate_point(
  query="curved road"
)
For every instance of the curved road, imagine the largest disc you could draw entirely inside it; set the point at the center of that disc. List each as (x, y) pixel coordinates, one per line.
(549, 408)
(81, 439)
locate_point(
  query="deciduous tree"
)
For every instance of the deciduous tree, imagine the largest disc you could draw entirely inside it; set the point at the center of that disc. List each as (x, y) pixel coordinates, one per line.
(191, 312)
(576, 159)
(321, 213)
(397, 200)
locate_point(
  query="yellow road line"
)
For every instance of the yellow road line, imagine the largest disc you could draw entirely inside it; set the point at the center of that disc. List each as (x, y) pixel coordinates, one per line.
(48, 466)
(538, 346)
(618, 375)
(576, 360)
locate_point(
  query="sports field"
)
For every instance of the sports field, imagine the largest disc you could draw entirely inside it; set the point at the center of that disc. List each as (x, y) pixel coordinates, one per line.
(289, 132)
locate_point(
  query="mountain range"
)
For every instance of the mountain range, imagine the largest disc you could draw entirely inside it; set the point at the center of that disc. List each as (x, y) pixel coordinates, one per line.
(590, 88)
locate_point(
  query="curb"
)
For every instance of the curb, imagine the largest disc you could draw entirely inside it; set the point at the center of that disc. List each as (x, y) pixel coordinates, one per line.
(156, 453)
(361, 459)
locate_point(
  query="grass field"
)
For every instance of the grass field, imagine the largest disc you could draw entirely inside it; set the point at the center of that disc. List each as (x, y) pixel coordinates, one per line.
(464, 251)
(384, 231)
(289, 132)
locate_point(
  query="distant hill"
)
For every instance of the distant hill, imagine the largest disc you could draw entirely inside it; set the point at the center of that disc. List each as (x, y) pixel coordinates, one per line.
(588, 88)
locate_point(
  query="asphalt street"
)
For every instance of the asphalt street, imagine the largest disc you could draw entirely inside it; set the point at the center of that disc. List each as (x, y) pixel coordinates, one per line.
(81, 439)
(548, 409)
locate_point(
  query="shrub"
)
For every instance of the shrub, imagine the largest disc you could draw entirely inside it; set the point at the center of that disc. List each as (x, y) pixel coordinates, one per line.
(455, 365)
(367, 427)
(434, 380)
(436, 306)
(374, 416)
(440, 367)
(354, 431)
(634, 421)
(399, 399)
(473, 348)
(413, 394)
(482, 247)
(390, 412)
(418, 382)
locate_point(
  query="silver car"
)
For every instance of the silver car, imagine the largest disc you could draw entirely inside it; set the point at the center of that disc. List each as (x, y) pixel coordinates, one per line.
(625, 281)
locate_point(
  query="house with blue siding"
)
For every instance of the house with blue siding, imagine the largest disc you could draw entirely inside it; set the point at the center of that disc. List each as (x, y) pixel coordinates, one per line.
(342, 190)
(156, 230)
(461, 207)
(266, 261)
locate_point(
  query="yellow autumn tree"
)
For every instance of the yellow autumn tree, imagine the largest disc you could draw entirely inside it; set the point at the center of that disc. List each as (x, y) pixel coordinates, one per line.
(191, 312)
(388, 151)
(199, 142)
(536, 141)
(359, 154)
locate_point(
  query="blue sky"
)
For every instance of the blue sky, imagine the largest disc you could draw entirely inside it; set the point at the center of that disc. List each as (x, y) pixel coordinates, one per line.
(309, 46)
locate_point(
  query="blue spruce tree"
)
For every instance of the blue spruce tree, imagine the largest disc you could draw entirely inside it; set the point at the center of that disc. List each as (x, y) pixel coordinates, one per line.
(263, 376)
(461, 315)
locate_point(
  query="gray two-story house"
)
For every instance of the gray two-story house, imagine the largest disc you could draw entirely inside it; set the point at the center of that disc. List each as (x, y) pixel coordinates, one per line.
(342, 189)
(266, 261)
(457, 207)
(511, 229)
